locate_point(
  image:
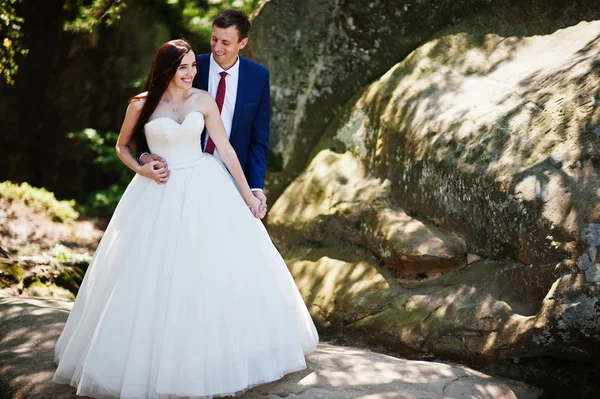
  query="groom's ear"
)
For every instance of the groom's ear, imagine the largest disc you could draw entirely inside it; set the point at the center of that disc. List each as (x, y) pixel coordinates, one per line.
(243, 42)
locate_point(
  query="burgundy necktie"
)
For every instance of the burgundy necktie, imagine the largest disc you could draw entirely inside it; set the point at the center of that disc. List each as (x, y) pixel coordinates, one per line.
(220, 98)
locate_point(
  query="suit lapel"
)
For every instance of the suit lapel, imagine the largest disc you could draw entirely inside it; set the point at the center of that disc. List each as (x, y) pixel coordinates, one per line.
(240, 99)
(203, 68)
(201, 82)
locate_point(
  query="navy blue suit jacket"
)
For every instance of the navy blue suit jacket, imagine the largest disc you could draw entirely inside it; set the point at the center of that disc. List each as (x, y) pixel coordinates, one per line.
(251, 118)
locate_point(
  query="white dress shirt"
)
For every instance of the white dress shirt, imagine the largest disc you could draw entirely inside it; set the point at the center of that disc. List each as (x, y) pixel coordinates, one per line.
(231, 85)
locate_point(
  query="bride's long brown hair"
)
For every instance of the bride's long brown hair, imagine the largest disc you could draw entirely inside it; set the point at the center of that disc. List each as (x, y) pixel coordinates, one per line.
(164, 66)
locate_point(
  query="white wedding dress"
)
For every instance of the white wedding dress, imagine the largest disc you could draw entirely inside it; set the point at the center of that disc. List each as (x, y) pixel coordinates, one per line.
(186, 295)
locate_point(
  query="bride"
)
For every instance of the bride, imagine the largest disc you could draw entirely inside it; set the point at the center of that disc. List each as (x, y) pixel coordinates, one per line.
(186, 294)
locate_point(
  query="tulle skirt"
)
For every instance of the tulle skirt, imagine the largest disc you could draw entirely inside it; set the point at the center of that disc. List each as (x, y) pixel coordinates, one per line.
(186, 296)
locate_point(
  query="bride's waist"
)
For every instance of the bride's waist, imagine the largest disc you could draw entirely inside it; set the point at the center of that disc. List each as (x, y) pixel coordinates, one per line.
(185, 163)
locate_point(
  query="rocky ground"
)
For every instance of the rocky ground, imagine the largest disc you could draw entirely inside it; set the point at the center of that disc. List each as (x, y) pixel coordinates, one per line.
(46, 258)
(30, 328)
(41, 256)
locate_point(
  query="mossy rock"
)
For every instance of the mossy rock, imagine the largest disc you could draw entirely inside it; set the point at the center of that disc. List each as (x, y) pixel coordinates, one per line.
(12, 272)
(341, 204)
(36, 279)
(39, 200)
(328, 55)
(48, 290)
(70, 277)
(488, 311)
(488, 130)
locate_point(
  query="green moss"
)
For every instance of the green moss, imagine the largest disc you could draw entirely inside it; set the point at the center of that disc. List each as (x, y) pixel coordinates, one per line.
(36, 280)
(14, 271)
(70, 278)
(64, 254)
(39, 289)
(40, 200)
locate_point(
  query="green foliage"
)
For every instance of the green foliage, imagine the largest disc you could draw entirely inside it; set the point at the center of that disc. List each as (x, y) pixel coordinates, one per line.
(185, 17)
(39, 200)
(197, 16)
(90, 14)
(103, 147)
(103, 202)
(11, 37)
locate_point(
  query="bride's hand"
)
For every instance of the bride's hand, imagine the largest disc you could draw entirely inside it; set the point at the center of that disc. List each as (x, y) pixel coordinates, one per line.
(254, 205)
(156, 170)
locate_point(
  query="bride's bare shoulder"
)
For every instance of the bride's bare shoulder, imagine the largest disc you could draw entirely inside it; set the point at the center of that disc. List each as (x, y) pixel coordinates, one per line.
(200, 94)
(202, 98)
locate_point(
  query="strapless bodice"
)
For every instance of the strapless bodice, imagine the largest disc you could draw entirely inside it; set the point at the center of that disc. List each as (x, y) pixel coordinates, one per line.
(178, 143)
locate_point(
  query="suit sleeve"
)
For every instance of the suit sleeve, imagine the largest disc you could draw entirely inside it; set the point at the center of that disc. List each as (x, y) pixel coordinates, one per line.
(143, 148)
(259, 139)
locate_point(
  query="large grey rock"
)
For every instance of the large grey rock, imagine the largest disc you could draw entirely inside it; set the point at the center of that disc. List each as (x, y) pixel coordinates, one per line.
(335, 202)
(30, 328)
(591, 236)
(321, 52)
(519, 319)
(487, 131)
(490, 310)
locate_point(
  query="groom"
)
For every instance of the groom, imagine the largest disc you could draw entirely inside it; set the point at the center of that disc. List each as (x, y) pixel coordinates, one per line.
(246, 102)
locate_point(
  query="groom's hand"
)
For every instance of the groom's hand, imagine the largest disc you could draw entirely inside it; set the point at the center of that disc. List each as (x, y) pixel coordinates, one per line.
(144, 159)
(263, 203)
(161, 164)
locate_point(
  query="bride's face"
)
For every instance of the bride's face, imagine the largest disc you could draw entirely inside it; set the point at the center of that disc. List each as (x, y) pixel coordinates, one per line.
(185, 72)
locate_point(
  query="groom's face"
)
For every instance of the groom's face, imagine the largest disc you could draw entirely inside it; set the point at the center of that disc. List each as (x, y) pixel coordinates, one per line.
(225, 45)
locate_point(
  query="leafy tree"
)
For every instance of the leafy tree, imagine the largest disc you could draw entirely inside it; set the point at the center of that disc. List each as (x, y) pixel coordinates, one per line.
(104, 201)
(91, 13)
(187, 17)
(184, 16)
(11, 37)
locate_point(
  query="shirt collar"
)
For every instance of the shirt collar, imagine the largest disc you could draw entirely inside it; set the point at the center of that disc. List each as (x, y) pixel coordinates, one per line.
(216, 68)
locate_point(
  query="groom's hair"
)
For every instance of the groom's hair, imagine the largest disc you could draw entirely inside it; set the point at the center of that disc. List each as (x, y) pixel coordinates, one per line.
(229, 18)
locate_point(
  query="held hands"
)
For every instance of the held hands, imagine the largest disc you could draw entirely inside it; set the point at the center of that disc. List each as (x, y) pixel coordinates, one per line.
(254, 206)
(156, 171)
(155, 167)
(263, 203)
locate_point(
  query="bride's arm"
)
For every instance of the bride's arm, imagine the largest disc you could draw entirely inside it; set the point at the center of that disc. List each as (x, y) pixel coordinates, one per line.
(123, 146)
(216, 131)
